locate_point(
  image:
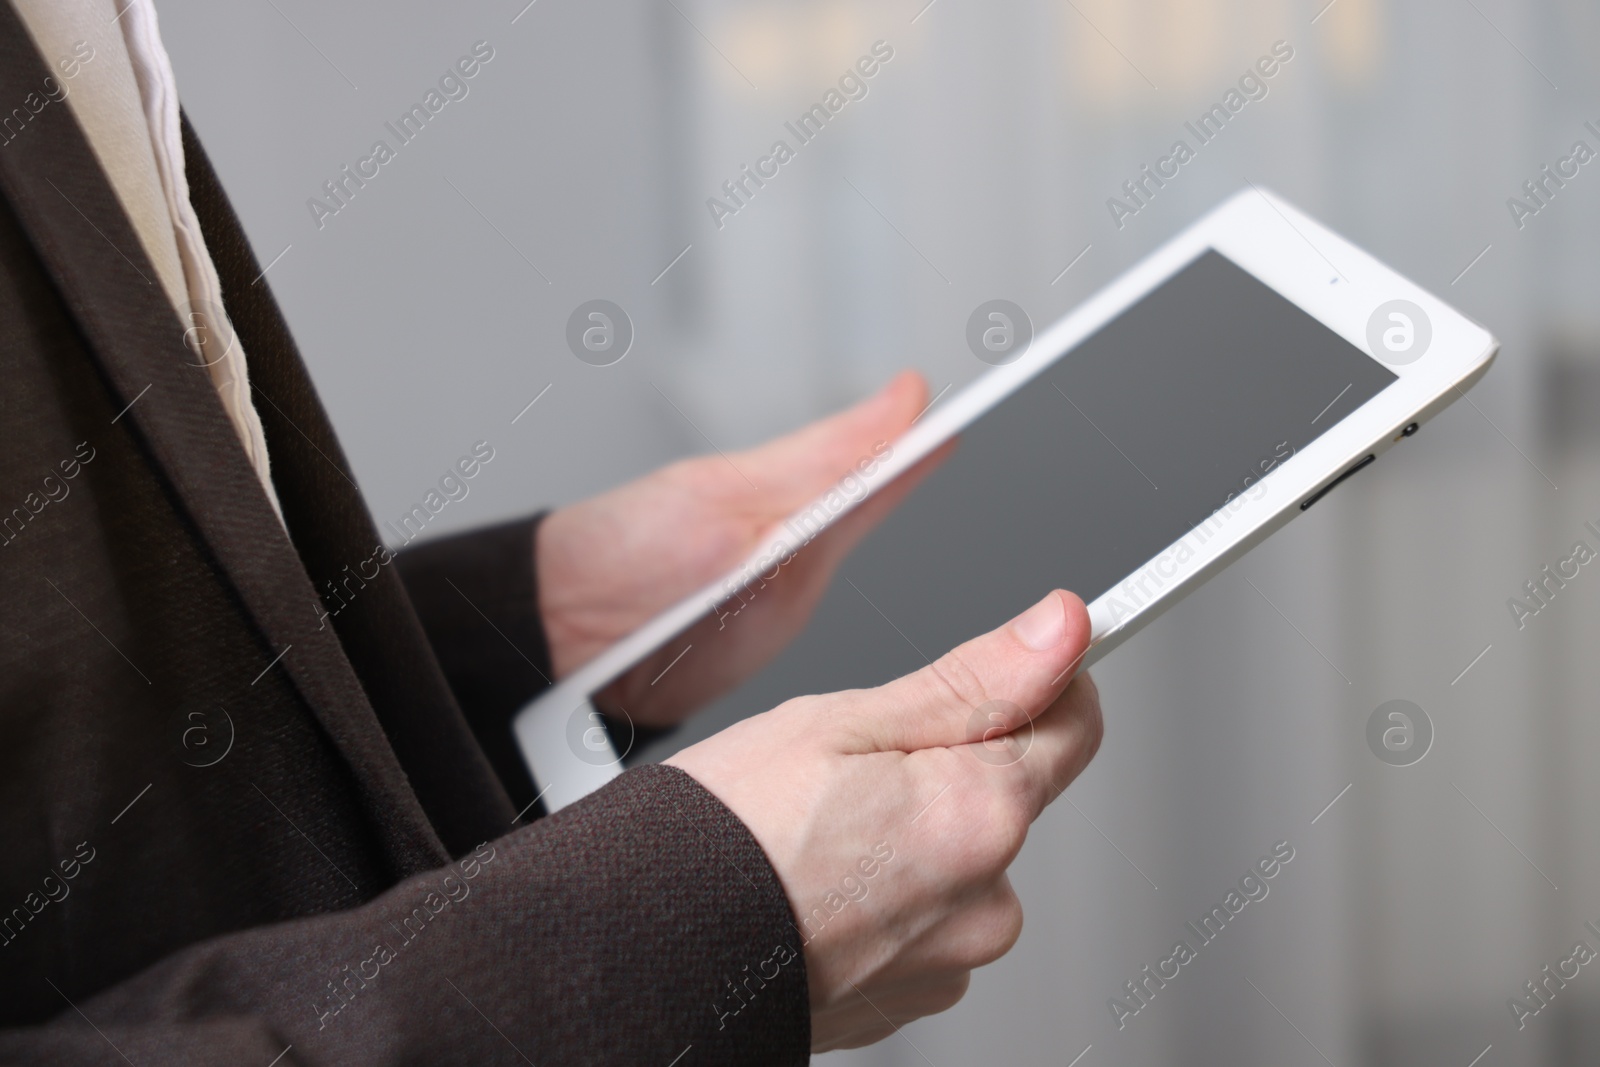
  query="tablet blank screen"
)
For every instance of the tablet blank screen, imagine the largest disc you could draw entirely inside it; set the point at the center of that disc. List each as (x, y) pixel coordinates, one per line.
(1092, 468)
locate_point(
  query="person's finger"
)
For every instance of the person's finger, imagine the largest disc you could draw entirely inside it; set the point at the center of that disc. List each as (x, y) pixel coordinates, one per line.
(1057, 746)
(800, 465)
(838, 539)
(992, 684)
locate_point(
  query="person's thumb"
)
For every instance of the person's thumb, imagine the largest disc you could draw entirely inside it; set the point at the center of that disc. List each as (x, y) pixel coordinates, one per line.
(994, 683)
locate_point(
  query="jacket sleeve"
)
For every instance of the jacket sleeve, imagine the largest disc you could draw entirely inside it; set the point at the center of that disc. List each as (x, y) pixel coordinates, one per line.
(477, 595)
(634, 926)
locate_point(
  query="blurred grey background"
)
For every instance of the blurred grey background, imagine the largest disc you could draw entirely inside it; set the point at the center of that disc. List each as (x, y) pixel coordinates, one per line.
(432, 309)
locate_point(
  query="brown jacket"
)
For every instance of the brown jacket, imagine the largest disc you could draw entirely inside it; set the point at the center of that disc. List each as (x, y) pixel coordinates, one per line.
(234, 827)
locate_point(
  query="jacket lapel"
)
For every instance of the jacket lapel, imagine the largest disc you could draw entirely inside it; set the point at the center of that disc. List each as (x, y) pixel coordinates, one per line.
(329, 523)
(89, 249)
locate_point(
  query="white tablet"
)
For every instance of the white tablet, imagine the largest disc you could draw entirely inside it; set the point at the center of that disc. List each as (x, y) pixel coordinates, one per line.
(1133, 449)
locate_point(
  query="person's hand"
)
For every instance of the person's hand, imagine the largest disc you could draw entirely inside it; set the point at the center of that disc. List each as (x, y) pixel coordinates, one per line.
(891, 814)
(608, 564)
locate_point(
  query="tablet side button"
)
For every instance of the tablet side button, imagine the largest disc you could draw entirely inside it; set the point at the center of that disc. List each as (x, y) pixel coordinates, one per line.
(1325, 490)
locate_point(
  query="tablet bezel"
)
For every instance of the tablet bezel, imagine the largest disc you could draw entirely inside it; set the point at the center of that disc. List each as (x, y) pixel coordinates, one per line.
(1318, 271)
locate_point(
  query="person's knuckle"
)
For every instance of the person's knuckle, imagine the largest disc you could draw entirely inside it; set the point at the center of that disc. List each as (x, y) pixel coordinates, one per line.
(1096, 730)
(1001, 925)
(955, 676)
(1005, 825)
(947, 994)
(1090, 690)
(1091, 727)
(1013, 830)
(965, 827)
(1010, 916)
